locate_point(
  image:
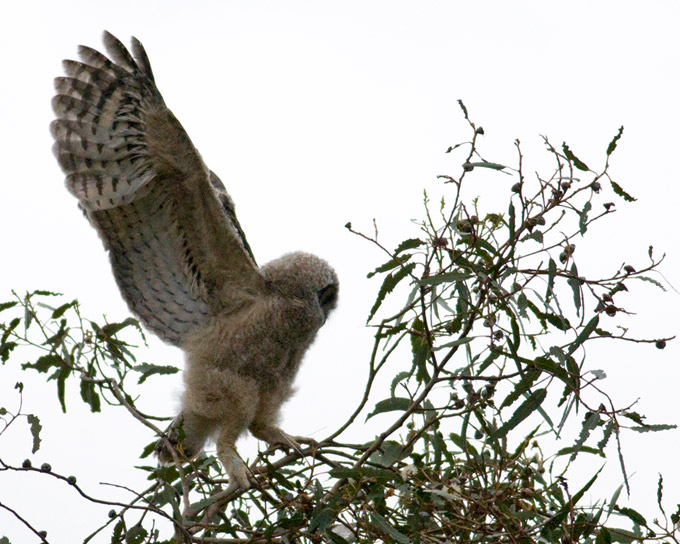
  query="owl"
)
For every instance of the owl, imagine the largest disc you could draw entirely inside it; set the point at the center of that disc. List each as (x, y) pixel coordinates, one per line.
(181, 259)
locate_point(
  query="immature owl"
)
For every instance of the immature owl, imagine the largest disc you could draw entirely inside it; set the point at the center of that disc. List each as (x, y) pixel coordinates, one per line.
(180, 258)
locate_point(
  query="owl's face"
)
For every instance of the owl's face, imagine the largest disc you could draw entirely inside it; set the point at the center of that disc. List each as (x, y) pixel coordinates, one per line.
(304, 276)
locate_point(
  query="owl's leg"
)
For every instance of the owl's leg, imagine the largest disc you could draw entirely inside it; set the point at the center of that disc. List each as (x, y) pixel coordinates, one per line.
(188, 433)
(273, 435)
(264, 425)
(239, 475)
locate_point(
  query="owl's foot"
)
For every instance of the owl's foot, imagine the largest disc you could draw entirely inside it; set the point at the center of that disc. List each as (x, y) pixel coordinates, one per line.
(237, 471)
(274, 436)
(166, 446)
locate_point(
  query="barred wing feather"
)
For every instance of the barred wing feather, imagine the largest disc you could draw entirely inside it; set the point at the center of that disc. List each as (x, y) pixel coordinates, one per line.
(177, 250)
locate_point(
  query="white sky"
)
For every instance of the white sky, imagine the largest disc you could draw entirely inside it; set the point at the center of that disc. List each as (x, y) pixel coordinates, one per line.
(318, 113)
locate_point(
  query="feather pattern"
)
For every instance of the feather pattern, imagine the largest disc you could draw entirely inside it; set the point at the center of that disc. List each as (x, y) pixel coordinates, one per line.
(177, 250)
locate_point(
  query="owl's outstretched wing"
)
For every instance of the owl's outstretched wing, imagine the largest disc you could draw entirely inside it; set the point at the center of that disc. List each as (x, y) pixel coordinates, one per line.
(177, 250)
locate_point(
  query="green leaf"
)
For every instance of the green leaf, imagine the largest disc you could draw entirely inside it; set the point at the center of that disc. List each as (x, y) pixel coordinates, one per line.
(612, 145)
(118, 532)
(397, 380)
(136, 535)
(653, 428)
(567, 509)
(5, 349)
(390, 265)
(378, 474)
(388, 286)
(573, 158)
(446, 277)
(583, 217)
(463, 444)
(111, 329)
(57, 313)
(6, 305)
(462, 107)
(632, 515)
(603, 536)
(581, 449)
(411, 243)
(321, 520)
(421, 351)
(590, 421)
(623, 194)
(552, 272)
(522, 387)
(650, 280)
(390, 405)
(511, 221)
(45, 363)
(558, 321)
(532, 402)
(575, 283)
(61, 375)
(492, 165)
(584, 334)
(147, 370)
(606, 435)
(36, 427)
(90, 396)
(385, 527)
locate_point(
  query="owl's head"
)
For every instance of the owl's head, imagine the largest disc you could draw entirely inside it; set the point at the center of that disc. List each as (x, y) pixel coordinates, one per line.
(305, 276)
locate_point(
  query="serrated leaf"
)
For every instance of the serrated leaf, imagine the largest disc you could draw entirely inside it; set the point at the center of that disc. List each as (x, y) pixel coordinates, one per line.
(397, 380)
(446, 277)
(379, 474)
(589, 328)
(411, 243)
(321, 520)
(653, 428)
(111, 329)
(36, 427)
(634, 416)
(535, 235)
(390, 405)
(136, 535)
(590, 422)
(462, 107)
(573, 158)
(632, 515)
(580, 449)
(389, 265)
(45, 363)
(57, 313)
(557, 321)
(612, 145)
(603, 536)
(7, 305)
(583, 218)
(623, 194)
(385, 527)
(529, 406)
(650, 280)
(390, 282)
(117, 532)
(463, 444)
(90, 396)
(5, 349)
(522, 387)
(147, 370)
(575, 285)
(552, 272)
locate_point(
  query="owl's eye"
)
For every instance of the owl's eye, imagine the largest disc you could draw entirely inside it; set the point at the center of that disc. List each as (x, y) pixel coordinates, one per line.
(328, 296)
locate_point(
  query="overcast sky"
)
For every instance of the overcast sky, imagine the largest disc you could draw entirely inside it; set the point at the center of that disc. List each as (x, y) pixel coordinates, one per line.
(318, 113)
